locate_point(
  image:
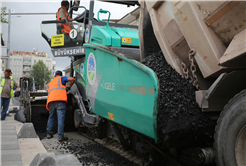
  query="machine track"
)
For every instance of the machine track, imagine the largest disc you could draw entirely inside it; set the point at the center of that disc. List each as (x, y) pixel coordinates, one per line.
(118, 148)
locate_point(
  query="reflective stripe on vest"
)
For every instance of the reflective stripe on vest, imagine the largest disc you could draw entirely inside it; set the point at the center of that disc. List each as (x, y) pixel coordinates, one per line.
(12, 85)
(59, 86)
(56, 91)
(67, 27)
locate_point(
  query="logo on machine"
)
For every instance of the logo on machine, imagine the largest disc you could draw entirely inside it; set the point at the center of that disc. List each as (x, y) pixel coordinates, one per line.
(82, 69)
(91, 68)
(87, 35)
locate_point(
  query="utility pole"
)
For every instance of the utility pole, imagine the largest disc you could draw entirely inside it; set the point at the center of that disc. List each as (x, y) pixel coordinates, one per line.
(8, 46)
(9, 20)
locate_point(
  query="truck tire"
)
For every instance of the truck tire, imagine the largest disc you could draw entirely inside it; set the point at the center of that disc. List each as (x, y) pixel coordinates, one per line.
(230, 133)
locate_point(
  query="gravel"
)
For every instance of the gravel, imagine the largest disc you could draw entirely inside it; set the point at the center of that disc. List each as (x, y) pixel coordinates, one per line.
(178, 109)
(92, 153)
(88, 152)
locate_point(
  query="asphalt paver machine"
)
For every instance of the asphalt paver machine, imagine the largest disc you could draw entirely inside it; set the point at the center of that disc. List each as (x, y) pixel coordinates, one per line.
(116, 95)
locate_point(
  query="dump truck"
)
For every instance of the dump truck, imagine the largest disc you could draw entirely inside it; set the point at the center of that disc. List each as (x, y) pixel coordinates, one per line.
(172, 89)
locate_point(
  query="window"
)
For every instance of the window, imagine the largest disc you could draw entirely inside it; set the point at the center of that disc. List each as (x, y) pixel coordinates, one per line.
(27, 61)
(2, 61)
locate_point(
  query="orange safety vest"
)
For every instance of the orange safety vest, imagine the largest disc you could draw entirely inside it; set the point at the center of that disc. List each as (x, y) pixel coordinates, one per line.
(56, 91)
(67, 27)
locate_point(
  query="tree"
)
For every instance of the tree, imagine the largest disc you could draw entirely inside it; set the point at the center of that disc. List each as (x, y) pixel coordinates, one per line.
(3, 14)
(30, 82)
(41, 74)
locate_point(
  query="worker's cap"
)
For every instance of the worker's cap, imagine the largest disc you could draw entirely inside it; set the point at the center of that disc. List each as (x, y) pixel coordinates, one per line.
(58, 73)
(8, 70)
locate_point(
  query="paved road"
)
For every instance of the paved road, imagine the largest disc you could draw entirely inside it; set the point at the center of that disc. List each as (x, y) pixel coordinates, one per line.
(87, 151)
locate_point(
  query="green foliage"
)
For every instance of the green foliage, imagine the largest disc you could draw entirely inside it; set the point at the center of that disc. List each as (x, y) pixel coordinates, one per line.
(2, 19)
(40, 72)
(30, 81)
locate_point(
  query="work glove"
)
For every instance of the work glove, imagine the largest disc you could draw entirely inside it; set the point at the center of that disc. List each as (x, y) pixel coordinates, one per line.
(68, 88)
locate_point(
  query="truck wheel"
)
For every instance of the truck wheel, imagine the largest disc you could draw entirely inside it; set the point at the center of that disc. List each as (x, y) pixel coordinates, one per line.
(230, 133)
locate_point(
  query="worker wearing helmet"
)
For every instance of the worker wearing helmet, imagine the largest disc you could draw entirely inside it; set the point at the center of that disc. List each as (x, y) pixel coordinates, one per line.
(61, 15)
(6, 91)
(56, 101)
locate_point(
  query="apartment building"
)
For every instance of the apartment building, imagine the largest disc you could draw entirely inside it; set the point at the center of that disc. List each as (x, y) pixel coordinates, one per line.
(21, 62)
(3, 54)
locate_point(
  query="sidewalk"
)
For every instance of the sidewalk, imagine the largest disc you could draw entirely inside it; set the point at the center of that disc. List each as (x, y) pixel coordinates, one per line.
(19, 142)
(10, 149)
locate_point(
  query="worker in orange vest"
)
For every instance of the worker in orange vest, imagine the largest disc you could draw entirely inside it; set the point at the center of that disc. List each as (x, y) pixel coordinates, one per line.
(56, 101)
(62, 14)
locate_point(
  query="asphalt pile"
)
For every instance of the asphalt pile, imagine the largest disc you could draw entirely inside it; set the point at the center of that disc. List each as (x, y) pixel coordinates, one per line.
(178, 109)
(94, 154)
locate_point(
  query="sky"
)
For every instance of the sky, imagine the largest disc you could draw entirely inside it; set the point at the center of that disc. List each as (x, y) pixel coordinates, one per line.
(25, 30)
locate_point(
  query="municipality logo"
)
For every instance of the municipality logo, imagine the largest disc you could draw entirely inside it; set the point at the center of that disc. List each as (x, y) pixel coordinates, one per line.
(91, 68)
(87, 33)
(82, 69)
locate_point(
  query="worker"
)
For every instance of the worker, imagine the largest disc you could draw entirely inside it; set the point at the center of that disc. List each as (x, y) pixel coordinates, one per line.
(61, 15)
(7, 113)
(56, 101)
(6, 91)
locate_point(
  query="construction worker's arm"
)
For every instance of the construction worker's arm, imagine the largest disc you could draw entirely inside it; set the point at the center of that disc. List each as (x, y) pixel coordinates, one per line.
(68, 19)
(16, 84)
(71, 80)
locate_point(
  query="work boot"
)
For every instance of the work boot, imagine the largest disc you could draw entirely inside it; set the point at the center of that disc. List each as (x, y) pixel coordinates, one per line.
(64, 138)
(49, 136)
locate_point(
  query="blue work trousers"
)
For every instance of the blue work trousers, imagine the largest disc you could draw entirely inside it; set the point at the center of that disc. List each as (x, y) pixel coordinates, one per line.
(60, 108)
(4, 107)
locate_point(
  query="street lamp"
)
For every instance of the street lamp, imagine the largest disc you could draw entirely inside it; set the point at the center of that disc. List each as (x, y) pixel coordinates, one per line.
(8, 46)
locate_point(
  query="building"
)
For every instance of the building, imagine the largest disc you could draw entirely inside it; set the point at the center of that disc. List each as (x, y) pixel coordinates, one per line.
(67, 71)
(21, 62)
(3, 55)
